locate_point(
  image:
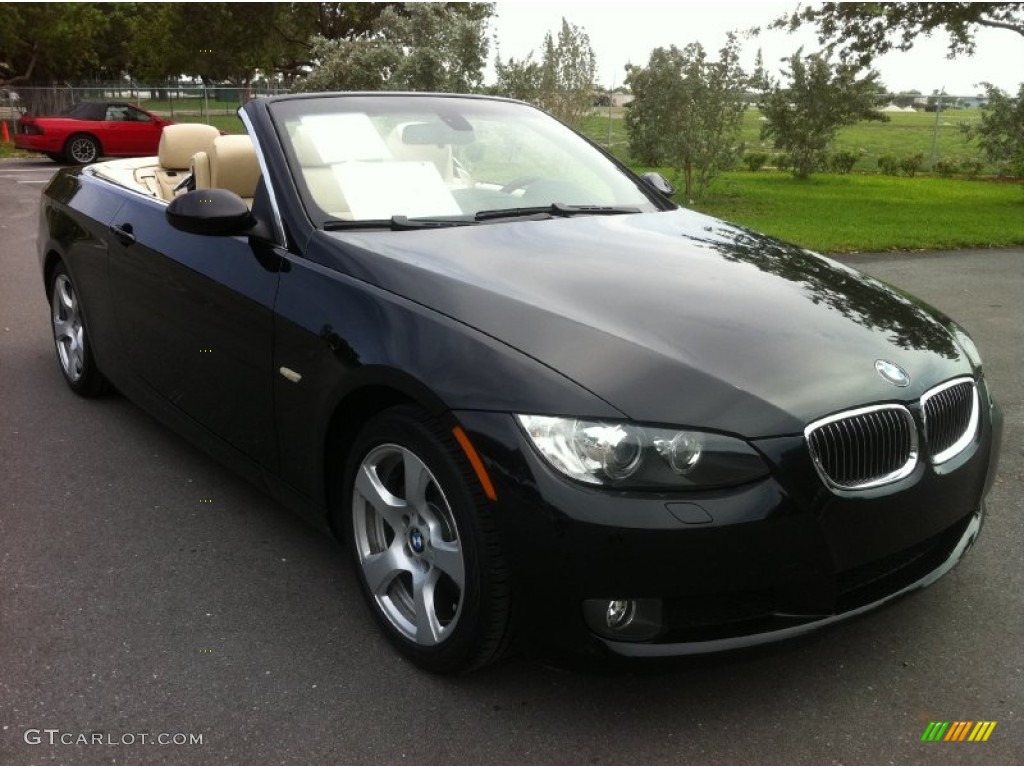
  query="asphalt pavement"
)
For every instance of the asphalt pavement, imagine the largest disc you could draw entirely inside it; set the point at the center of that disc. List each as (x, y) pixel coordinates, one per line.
(149, 595)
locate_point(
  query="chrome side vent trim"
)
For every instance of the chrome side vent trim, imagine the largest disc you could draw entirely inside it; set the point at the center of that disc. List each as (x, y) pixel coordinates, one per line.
(950, 412)
(865, 447)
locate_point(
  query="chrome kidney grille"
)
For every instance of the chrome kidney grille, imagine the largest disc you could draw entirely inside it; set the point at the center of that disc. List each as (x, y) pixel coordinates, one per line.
(876, 445)
(865, 447)
(950, 418)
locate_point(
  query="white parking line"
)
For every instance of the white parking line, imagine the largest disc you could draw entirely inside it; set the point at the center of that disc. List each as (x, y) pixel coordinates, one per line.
(33, 181)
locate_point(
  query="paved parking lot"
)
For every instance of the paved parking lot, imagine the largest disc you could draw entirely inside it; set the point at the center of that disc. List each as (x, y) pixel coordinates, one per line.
(130, 607)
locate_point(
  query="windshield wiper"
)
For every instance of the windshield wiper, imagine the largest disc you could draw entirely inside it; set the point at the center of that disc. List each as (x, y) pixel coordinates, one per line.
(556, 209)
(396, 223)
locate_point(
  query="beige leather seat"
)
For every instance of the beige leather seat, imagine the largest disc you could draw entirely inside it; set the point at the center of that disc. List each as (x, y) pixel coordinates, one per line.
(320, 179)
(228, 163)
(178, 143)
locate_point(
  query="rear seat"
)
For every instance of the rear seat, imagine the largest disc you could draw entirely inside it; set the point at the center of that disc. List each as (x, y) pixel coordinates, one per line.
(178, 142)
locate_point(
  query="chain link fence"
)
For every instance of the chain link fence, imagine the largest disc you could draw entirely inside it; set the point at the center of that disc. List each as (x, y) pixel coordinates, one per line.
(165, 99)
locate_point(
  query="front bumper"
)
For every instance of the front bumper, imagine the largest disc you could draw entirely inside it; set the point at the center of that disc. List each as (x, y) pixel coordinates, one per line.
(767, 561)
(803, 625)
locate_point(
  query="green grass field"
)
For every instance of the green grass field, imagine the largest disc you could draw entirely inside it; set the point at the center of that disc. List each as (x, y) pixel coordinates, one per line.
(227, 123)
(871, 212)
(189, 105)
(904, 134)
(864, 211)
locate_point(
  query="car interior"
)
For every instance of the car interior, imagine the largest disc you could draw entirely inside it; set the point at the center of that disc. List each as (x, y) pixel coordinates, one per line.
(190, 156)
(338, 177)
(197, 156)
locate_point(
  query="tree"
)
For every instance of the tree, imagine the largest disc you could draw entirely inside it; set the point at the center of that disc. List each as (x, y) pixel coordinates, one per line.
(233, 42)
(687, 111)
(203, 40)
(423, 47)
(165, 40)
(861, 31)
(51, 41)
(804, 117)
(518, 79)
(568, 67)
(906, 99)
(1000, 134)
(561, 83)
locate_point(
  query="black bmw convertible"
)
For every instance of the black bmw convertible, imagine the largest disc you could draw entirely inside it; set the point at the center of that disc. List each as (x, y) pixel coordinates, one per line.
(539, 402)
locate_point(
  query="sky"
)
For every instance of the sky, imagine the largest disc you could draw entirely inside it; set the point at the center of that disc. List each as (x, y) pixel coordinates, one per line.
(626, 32)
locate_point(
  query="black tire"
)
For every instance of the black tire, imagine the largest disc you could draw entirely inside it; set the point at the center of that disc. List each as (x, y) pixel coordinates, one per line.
(81, 149)
(71, 338)
(460, 627)
(57, 157)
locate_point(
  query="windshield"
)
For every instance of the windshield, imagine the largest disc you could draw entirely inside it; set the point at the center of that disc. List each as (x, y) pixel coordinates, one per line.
(374, 158)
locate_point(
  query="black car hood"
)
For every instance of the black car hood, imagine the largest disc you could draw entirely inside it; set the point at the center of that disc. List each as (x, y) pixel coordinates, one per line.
(671, 317)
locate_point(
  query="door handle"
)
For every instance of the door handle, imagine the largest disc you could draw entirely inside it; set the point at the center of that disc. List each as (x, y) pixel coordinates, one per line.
(123, 233)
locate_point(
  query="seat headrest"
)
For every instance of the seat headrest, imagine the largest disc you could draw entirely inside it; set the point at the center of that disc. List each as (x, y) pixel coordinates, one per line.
(233, 165)
(178, 142)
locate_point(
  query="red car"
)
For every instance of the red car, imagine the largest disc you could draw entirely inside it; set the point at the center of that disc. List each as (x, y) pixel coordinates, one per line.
(90, 130)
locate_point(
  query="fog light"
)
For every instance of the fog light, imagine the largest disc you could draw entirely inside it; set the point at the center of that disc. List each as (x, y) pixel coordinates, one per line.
(636, 620)
(620, 613)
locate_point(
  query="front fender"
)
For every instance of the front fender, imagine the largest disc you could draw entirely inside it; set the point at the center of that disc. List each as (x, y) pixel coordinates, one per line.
(335, 334)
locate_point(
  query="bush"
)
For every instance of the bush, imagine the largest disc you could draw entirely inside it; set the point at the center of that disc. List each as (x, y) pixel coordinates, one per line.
(755, 161)
(911, 164)
(947, 168)
(889, 165)
(843, 162)
(971, 168)
(783, 162)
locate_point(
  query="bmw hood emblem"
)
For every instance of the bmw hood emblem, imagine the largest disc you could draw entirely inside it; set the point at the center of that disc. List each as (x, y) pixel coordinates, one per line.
(892, 373)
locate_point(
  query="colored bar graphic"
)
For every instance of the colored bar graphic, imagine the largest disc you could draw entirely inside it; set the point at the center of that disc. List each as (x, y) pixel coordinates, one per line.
(958, 730)
(985, 731)
(934, 731)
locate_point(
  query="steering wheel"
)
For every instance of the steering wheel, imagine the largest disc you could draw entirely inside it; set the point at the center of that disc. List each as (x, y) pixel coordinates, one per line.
(521, 183)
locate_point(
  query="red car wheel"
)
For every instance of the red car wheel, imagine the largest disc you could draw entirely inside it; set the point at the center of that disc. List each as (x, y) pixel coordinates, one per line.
(82, 149)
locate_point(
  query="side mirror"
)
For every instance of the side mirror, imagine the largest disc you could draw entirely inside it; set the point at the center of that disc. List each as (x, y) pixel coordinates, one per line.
(659, 183)
(216, 212)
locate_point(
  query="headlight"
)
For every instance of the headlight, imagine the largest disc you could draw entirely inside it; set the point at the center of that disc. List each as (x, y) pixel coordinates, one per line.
(621, 455)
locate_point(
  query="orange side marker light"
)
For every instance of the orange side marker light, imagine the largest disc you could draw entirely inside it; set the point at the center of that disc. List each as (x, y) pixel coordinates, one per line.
(474, 461)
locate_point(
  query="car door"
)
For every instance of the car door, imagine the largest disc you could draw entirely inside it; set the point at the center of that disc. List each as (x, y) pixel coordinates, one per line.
(195, 320)
(146, 132)
(127, 131)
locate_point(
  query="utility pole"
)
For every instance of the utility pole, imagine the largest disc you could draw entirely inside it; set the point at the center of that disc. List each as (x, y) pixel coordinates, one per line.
(611, 96)
(935, 129)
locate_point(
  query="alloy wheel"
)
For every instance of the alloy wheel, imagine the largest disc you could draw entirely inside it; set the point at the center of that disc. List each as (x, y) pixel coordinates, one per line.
(83, 150)
(408, 545)
(68, 332)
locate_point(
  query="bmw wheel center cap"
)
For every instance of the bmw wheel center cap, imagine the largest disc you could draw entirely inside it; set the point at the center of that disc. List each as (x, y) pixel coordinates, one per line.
(416, 541)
